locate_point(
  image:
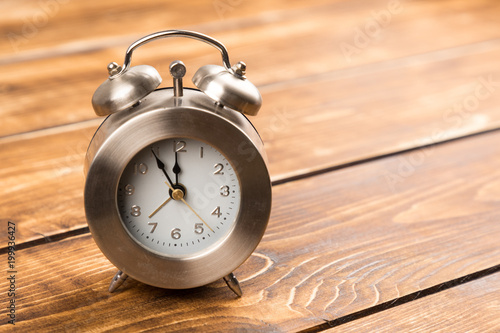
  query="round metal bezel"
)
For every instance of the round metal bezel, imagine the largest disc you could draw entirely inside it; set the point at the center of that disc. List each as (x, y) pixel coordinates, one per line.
(115, 149)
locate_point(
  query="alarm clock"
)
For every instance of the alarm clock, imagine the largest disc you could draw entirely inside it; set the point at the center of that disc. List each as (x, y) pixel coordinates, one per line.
(177, 191)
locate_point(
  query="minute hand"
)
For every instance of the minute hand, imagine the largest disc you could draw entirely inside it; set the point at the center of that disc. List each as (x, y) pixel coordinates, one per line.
(161, 166)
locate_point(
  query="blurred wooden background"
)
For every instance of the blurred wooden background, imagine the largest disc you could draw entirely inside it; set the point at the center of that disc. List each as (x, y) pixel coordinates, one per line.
(381, 122)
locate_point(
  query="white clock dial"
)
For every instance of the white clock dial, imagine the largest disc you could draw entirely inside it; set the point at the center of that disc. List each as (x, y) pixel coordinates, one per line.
(183, 208)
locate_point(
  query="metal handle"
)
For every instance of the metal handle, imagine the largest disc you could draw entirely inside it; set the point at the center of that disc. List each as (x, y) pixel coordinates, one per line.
(173, 33)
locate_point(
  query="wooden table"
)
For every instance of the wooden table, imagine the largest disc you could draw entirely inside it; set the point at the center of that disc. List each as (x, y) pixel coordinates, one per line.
(381, 122)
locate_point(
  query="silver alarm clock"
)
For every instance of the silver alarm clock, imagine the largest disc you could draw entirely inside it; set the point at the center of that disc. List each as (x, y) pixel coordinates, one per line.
(177, 191)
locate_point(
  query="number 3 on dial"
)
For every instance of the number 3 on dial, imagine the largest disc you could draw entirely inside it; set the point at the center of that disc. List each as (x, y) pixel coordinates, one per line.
(224, 190)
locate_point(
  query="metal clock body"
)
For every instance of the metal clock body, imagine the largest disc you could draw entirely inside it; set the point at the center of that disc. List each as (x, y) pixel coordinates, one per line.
(177, 193)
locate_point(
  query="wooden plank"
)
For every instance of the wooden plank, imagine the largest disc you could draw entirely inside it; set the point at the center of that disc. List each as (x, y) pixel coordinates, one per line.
(42, 181)
(280, 47)
(470, 307)
(32, 26)
(300, 121)
(337, 243)
(56, 98)
(29, 26)
(365, 112)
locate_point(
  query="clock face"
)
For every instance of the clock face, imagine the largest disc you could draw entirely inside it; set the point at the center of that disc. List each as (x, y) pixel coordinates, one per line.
(179, 197)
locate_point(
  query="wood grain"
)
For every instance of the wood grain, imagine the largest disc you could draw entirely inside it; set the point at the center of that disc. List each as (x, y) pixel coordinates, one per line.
(337, 243)
(470, 307)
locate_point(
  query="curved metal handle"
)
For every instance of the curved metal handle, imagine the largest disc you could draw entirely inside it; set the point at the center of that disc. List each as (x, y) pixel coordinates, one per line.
(173, 33)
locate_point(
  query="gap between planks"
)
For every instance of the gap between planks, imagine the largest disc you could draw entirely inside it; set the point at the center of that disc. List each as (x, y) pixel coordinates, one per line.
(57, 129)
(382, 66)
(378, 157)
(403, 300)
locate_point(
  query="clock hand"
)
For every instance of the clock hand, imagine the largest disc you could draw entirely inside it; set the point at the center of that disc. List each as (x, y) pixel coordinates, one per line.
(178, 194)
(157, 209)
(176, 169)
(161, 166)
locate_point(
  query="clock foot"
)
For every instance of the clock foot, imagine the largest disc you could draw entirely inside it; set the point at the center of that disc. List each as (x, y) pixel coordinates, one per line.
(233, 284)
(117, 281)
